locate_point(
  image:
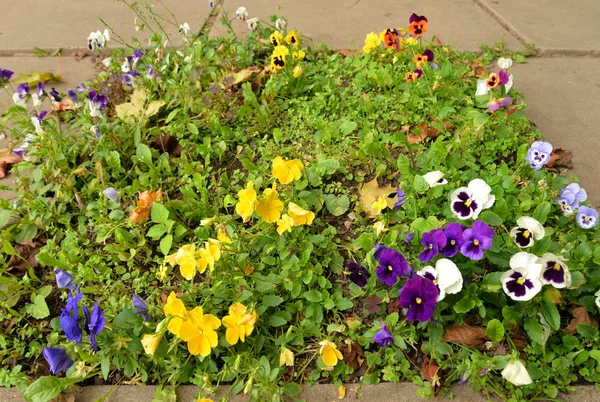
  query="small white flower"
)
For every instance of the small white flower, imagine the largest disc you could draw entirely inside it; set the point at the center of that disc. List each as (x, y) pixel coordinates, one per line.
(280, 24)
(18, 100)
(510, 83)
(211, 3)
(522, 281)
(446, 276)
(184, 29)
(107, 61)
(516, 373)
(112, 194)
(37, 123)
(435, 178)
(482, 88)
(125, 67)
(106, 35)
(253, 24)
(468, 202)
(554, 271)
(241, 13)
(527, 231)
(187, 59)
(505, 63)
(94, 109)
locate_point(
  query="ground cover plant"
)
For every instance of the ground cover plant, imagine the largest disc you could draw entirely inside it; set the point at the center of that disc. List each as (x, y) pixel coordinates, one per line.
(260, 213)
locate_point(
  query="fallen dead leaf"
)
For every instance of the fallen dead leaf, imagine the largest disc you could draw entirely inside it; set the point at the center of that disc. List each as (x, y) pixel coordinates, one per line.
(479, 70)
(144, 206)
(370, 192)
(437, 42)
(70, 397)
(240, 76)
(580, 316)
(354, 355)
(25, 258)
(471, 336)
(79, 55)
(560, 158)
(167, 143)
(427, 132)
(138, 106)
(372, 304)
(6, 162)
(433, 375)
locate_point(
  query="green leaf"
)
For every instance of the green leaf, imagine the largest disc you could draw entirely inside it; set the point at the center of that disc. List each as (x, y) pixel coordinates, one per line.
(49, 261)
(4, 218)
(583, 252)
(272, 300)
(27, 232)
(541, 212)
(464, 305)
(279, 318)
(491, 218)
(551, 314)
(105, 366)
(420, 184)
(347, 127)
(159, 213)
(47, 388)
(421, 225)
(313, 296)
(193, 129)
(144, 154)
(495, 330)
(587, 331)
(534, 330)
(292, 389)
(165, 244)
(38, 309)
(337, 205)
(165, 395)
(403, 165)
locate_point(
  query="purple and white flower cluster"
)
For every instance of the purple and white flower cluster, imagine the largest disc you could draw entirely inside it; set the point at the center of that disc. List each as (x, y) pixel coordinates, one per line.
(455, 238)
(569, 200)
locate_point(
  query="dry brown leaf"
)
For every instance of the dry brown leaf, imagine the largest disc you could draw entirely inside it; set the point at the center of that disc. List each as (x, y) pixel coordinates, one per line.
(370, 192)
(240, 76)
(6, 162)
(393, 306)
(479, 70)
(433, 375)
(354, 355)
(426, 132)
(580, 316)
(560, 158)
(65, 104)
(473, 337)
(79, 55)
(144, 206)
(372, 304)
(437, 42)
(26, 257)
(70, 397)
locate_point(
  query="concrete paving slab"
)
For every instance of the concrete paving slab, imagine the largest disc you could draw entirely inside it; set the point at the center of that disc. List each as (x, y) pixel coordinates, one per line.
(345, 23)
(25, 24)
(561, 96)
(555, 26)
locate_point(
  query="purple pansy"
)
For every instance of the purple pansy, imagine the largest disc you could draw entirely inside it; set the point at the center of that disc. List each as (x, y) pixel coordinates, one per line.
(383, 337)
(142, 308)
(358, 274)
(503, 77)
(36, 120)
(565, 207)
(58, 359)
(128, 78)
(392, 265)
(418, 73)
(419, 296)
(151, 72)
(409, 237)
(21, 149)
(401, 195)
(496, 104)
(5, 76)
(55, 96)
(69, 318)
(64, 280)
(573, 194)
(428, 54)
(94, 324)
(464, 378)
(21, 94)
(97, 103)
(477, 240)
(454, 239)
(433, 242)
(539, 154)
(587, 217)
(112, 194)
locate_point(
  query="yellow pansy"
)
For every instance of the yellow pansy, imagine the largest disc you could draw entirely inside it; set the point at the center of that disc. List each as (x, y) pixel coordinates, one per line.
(279, 57)
(297, 71)
(198, 330)
(287, 171)
(239, 323)
(204, 400)
(247, 203)
(299, 54)
(176, 309)
(292, 38)
(269, 208)
(150, 342)
(214, 247)
(223, 236)
(300, 215)
(286, 357)
(342, 391)
(380, 228)
(205, 259)
(329, 353)
(276, 39)
(379, 205)
(285, 224)
(372, 41)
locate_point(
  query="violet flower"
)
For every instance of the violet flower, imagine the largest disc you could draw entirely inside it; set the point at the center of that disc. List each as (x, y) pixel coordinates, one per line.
(454, 240)
(21, 149)
(503, 77)
(151, 73)
(565, 207)
(392, 265)
(358, 274)
(496, 104)
(377, 251)
(94, 324)
(55, 96)
(64, 280)
(128, 78)
(141, 307)
(97, 103)
(409, 237)
(383, 337)
(433, 241)
(477, 240)
(21, 95)
(419, 296)
(69, 318)
(401, 196)
(573, 194)
(74, 97)
(58, 359)
(539, 154)
(38, 96)
(418, 73)
(587, 217)
(36, 120)
(428, 54)
(5, 76)
(112, 194)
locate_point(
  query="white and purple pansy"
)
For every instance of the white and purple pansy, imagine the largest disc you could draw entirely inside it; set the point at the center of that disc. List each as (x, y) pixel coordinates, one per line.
(446, 276)
(554, 271)
(522, 282)
(280, 24)
(468, 202)
(21, 94)
(573, 194)
(38, 96)
(565, 207)
(184, 29)
(252, 24)
(539, 154)
(504, 63)
(241, 13)
(435, 178)
(36, 120)
(97, 103)
(586, 217)
(97, 40)
(528, 230)
(21, 149)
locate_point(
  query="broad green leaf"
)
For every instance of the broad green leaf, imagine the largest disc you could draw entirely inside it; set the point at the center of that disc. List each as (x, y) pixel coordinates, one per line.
(292, 389)
(495, 330)
(144, 154)
(36, 76)
(541, 212)
(4, 218)
(464, 305)
(47, 388)
(337, 205)
(420, 184)
(551, 314)
(534, 330)
(38, 309)
(313, 296)
(272, 300)
(490, 218)
(159, 213)
(165, 244)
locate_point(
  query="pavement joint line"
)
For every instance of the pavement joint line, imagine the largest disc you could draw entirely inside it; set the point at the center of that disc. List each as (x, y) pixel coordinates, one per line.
(503, 23)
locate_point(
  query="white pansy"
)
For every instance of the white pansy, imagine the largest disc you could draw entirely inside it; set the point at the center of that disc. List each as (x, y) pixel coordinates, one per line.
(516, 373)
(509, 84)
(435, 178)
(505, 63)
(253, 24)
(555, 271)
(184, 29)
(528, 230)
(482, 88)
(241, 13)
(446, 276)
(597, 294)
(522, 282)
(468, 202)
(280, 24)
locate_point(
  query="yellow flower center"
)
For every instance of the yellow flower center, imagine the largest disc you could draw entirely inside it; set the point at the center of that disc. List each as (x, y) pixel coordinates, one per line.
(521, 280)
(476, 242)
(557, 266)
(468, 203)
(390, 268)
(418, 300)
(452, 242)
(430, 246)
(526, 234)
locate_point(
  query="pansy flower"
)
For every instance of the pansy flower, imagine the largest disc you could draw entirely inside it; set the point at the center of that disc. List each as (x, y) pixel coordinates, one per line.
(454, 240)
(383, 337)
(391, 39)
(597, 294)
(96, 103)
(445, 276)
(419, 296)
(198, 330)
(573, 194)
(379, 205)
(428, 54)
(58, 359)
(565, 207)
(239, 323)
(252, 24)
(21, 149)
(292, 38)
(280, 24)
(492, 81)
(38, 96)
(36, 120)
(151, 73)
(516, 373)
(270, 206)
(150, 342)
(241, 13)
(97, 40)
(94, 323)
(300, 215)
(419, 59)
(496, 104)
(21, 94)
(69, 318)
(379, 228)
(477, 240)
(587, 217)
(372, 41)
(468, 202)
(527, 231)
(503, 78)
(435, 178)
(112, 194)
(276, 39)
(392, 265)
(177, 311)
(287, 171)
(64, 280)
(184, 29)
(504, 63)
(247, 202)
(522, 281)
(358, 274)
(554, 271)
(285, 224)
(433, 242)
(330, 353)
(141, 307)
(5, 76)
(418, 25)
(539, 154)
(401, 195)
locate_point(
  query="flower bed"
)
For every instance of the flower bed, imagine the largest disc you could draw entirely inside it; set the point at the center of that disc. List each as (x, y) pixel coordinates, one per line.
(268, 215)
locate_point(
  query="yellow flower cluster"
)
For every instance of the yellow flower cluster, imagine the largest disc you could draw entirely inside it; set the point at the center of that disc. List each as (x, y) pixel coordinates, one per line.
(279, 57)
(372, 41)
(192, 260)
